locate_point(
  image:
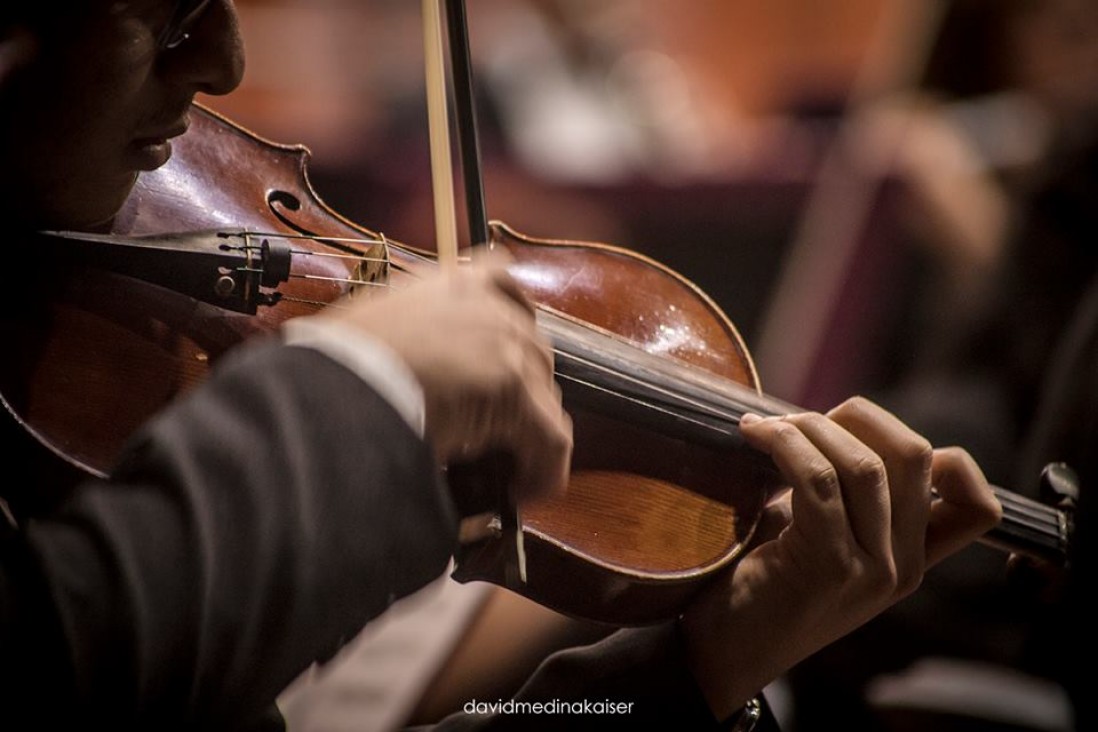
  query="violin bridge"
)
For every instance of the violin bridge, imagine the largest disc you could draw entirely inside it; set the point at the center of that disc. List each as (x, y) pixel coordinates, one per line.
(372, 269)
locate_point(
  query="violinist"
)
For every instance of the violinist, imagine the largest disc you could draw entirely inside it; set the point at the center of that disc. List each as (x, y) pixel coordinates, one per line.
(261, 521)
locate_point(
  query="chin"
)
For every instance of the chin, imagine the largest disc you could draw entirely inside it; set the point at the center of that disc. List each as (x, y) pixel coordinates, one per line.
(98, 210)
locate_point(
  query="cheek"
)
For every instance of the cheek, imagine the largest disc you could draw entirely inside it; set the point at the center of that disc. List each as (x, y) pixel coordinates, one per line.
(76, 173)
(64, 170)
(79, 136)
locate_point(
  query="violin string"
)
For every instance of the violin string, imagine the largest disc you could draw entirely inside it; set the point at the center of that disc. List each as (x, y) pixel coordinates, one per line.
(644, 404)
(1019, 513)
(1025, 537)
(709, 410)
(333, 255)
(699, 407)
(1022, 507)
(379, 239)
(1011, 515)
(1026, 508)
(669, 387)
(340, 280)
(1018, 508)
(1022, 526)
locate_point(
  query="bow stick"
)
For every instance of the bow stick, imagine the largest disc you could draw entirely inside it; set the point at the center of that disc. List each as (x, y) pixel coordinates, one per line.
(443, 188)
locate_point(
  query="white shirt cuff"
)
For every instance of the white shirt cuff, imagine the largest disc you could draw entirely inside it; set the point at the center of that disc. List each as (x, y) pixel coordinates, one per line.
(373, 361)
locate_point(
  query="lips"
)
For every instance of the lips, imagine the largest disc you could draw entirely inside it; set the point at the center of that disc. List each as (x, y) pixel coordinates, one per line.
(162, 134)
(151, 150)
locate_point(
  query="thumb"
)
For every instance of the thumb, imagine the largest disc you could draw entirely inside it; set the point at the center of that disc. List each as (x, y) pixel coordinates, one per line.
(777, 515)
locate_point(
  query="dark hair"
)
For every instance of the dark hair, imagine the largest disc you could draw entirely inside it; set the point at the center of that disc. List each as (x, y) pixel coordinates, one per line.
(46, 18)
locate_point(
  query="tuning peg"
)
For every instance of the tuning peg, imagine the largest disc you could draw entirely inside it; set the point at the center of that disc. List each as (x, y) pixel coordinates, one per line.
(1059, 485)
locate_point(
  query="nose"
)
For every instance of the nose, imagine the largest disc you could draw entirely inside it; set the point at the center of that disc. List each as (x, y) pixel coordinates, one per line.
(212, 58)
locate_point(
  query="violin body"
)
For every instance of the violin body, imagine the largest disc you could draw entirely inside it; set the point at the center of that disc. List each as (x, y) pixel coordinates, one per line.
(648, 516)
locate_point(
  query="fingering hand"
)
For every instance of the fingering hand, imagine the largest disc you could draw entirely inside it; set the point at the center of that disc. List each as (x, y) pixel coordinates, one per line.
(861, 525)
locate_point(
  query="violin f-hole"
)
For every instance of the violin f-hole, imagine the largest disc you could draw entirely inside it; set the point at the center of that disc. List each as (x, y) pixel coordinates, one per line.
(278, 201)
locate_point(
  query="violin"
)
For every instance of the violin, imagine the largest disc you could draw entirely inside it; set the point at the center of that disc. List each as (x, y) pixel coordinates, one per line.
(229, 240)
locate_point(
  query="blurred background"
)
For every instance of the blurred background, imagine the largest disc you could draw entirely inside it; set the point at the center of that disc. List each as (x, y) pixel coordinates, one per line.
(888, 197)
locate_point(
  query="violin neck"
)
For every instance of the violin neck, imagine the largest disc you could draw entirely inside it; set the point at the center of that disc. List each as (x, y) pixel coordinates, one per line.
(1031, 528)
(687, 403)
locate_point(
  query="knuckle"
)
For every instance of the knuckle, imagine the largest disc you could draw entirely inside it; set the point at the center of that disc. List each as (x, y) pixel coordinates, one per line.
(825, 480)
(852, 407)
(860, 403)
(880, 577)
(979, 498)
(991, 511)
(909, 581)
(786, 433)
(839, 563)
(956, 458)
(870, 470)
(812, 419)
(918, 453)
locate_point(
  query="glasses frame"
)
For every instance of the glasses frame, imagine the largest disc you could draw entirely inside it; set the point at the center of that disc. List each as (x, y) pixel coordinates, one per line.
(177, 30)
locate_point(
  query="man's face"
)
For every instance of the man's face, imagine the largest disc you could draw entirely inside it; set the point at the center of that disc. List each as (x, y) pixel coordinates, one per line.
(98, 104)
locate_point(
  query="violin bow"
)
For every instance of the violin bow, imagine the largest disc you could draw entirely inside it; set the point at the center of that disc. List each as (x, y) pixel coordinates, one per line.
(438, 120)
(442, 178)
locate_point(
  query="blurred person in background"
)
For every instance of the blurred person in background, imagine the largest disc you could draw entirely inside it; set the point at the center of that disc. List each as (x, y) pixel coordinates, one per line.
(999, 148)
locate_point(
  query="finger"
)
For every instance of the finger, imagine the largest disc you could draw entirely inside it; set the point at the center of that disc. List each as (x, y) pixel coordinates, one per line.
(481, 264)
(422, 268)
(776, 516)
(504, 325)
(863, 482)
(967, 509)
(542, 430)
(493, 267)
(491, 256)
(906, 456)
(544, 453)
(817, 505)
(536, 350)
(521, 413)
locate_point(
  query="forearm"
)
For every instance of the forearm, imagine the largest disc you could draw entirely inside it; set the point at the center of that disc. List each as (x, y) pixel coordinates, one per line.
(227, 553)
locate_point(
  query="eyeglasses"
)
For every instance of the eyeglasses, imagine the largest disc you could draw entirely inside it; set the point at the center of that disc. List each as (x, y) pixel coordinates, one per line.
(183, 18)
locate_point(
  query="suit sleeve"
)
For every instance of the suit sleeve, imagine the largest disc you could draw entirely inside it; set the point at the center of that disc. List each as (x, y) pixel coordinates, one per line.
(247, 532)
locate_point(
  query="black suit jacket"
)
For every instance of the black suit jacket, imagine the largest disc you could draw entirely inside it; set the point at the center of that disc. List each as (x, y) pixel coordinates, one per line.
(249, 531)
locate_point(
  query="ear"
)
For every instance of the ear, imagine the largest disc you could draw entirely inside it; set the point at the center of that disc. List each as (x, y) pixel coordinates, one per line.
(17, 48)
